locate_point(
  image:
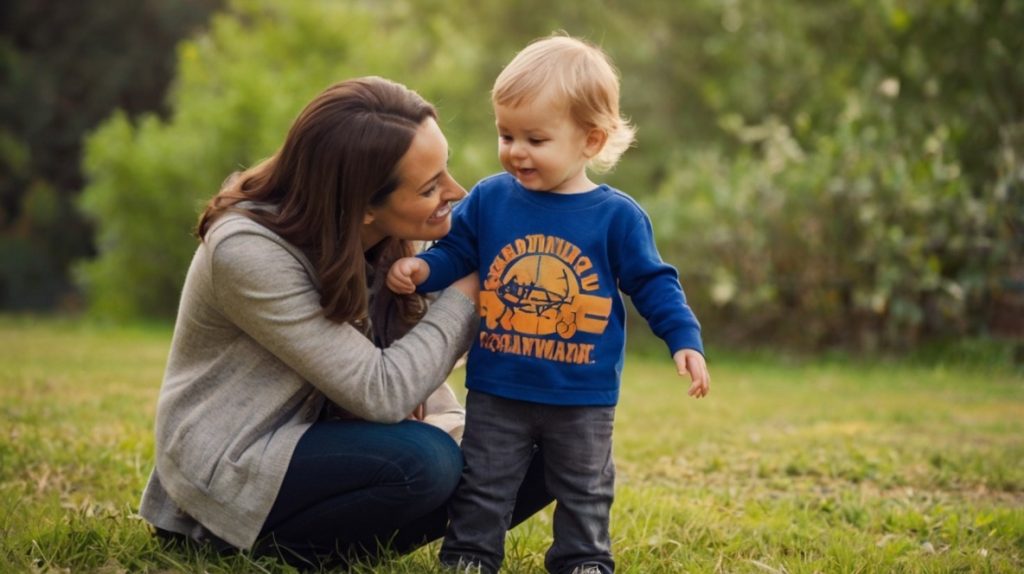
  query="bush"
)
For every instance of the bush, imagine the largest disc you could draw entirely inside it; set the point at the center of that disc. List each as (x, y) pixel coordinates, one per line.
(866, 237)
(823, 173)
(237, 91)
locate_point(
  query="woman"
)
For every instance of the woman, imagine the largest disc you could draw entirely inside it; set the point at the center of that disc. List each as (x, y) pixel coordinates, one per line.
(303, 409)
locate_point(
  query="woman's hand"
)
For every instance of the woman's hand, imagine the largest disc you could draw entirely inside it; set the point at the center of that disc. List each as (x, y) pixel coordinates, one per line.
(419, 413)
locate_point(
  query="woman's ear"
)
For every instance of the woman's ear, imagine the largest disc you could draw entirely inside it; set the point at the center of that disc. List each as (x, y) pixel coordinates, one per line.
(596, 138)
(368, 216)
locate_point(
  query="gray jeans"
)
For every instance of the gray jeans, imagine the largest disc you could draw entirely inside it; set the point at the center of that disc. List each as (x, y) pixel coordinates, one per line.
(500, 440)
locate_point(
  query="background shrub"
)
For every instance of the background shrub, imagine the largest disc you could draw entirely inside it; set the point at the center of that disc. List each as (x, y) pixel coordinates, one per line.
(822, 173)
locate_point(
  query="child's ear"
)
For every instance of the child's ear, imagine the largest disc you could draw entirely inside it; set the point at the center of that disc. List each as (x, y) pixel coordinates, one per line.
(596, 138)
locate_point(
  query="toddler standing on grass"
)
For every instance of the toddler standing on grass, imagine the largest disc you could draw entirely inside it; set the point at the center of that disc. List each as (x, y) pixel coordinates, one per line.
(553, 249)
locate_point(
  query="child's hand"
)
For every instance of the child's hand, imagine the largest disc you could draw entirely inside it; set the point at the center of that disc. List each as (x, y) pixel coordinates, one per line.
(690, 362)
(406, 273)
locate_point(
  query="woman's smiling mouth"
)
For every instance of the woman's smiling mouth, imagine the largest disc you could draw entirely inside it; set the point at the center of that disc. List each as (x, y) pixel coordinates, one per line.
(442, 212)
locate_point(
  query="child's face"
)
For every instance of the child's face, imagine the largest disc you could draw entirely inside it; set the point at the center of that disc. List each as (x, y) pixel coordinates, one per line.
(541, 145)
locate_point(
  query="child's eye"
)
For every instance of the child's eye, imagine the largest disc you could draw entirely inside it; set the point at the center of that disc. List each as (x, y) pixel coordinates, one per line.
(504, 138)
(537, 141)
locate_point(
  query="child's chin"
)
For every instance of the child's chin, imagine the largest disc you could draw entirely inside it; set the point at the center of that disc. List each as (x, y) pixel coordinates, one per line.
(530, 183)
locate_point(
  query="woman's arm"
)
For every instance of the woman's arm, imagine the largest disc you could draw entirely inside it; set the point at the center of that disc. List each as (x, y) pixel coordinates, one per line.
(266, 291)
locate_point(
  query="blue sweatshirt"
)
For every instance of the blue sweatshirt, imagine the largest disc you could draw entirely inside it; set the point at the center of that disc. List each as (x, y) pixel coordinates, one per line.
(552, 322)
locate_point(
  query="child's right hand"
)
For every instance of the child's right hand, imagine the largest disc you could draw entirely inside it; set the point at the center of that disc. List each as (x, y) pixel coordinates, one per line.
(406, 273)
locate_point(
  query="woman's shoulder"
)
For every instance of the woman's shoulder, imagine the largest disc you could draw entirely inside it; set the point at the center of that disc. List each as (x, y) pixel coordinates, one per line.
(233, 223)
(241, 240)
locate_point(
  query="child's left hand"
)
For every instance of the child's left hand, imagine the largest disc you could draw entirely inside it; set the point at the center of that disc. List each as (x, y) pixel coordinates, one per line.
(690, 362)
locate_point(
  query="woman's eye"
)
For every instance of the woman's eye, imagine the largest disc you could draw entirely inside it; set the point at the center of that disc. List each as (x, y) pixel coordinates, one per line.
(429, 191)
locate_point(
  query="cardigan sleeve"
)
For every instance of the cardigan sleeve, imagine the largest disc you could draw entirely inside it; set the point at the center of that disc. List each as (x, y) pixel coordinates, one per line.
(264, 289)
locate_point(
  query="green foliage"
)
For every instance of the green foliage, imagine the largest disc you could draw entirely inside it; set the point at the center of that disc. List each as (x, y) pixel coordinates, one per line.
(884, 206)
(65, 66)
(864, 236)
(237, 91)
(822, 173)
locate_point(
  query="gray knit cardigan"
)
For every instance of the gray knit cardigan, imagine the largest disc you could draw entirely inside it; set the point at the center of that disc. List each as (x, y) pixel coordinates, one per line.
(252, 363)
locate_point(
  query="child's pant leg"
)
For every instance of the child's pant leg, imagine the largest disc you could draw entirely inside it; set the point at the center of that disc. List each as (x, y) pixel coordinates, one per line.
(498, 446)
(580, 474)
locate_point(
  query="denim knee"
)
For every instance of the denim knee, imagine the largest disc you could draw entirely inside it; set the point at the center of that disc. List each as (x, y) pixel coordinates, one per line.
(434, 471)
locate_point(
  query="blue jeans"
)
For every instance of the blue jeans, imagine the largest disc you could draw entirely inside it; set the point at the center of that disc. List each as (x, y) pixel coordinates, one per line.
(354, 488)
(499, 445)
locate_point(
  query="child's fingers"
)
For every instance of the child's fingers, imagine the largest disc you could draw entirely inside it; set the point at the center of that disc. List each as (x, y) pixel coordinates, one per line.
(702, 390)
(400, 285)
(691, 364)
(697, 389)
(701, 378)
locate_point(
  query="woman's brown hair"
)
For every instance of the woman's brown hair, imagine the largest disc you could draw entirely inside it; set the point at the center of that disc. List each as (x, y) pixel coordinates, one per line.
(339, 158)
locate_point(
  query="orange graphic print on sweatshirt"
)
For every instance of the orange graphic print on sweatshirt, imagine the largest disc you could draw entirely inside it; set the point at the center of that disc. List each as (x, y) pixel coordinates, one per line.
(542, 285)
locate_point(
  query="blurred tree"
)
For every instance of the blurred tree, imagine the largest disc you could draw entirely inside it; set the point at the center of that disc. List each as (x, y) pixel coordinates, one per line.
(874, 203)
(841, 172)
(64, 67)
(238, 89)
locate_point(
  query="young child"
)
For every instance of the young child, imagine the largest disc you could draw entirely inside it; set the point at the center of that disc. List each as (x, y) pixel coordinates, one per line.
(553, 249)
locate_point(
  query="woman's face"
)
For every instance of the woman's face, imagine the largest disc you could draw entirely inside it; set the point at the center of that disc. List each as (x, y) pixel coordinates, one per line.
(420, 208)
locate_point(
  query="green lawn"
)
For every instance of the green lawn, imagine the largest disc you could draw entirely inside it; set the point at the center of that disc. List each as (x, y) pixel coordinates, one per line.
(788, 466)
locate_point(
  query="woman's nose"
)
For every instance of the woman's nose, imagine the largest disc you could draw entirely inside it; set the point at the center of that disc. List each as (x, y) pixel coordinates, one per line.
(452, 190)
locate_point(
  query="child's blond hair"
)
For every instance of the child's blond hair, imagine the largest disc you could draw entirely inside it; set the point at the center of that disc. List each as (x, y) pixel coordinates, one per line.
(581, 75)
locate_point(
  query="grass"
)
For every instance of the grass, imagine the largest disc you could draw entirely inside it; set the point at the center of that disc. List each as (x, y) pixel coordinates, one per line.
(789, 466)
